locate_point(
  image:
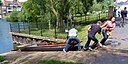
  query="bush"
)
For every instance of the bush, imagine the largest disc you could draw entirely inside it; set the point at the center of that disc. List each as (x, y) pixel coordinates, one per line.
(2, 58)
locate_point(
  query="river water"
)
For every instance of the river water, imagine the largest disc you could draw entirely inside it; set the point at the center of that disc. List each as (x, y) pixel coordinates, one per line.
(6, 43)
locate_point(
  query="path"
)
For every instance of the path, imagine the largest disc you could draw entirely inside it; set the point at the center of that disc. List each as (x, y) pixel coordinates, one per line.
(120, 36)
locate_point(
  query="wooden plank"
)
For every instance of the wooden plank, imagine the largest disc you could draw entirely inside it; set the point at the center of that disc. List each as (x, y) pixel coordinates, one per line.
(38, 48)
(38, 37)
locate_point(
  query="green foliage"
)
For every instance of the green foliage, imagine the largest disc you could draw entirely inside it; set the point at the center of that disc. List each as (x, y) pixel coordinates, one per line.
(101, 5)
(17, 16)
(1, 3)
(36, 9)
(2, 58)
(87, 5)
(55, 62)
(97, 7)
(12, 16)
(99, 0)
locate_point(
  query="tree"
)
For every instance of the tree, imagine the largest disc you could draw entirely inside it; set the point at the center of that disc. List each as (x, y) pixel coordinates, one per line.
(60, 10)
(99, 0)
(98, 6)
(32, 9)
(86, 6)
(12, 17)
(1, 8)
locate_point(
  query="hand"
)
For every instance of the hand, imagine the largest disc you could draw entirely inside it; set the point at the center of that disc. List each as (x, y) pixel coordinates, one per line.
(109, 33)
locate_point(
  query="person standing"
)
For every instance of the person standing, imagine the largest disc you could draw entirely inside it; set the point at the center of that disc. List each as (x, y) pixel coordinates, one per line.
(72, 36)
(95, 28)
(124, 13)
(118, 12)
(107, 27)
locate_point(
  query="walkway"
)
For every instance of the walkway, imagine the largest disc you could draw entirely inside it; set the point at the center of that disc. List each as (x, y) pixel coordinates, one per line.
(119, 37)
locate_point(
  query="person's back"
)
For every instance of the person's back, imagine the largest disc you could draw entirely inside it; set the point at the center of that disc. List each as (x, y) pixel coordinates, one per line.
(72, 32)
(125, 13)
(94, 29)
(122, 13)
(118, 13)
(72, 36)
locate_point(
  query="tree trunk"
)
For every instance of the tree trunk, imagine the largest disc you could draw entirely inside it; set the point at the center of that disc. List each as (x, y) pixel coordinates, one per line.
(110, 12)
(85, 17)
(55, 13)
(1, 12)
(49, 24)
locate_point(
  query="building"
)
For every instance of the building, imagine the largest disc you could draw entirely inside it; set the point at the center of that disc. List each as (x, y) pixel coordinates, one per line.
(122, 4)
(9, 6)
(118, 1)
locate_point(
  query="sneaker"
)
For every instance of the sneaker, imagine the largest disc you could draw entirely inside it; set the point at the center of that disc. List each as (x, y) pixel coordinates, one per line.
(64, 50)
(85, 49)
(90, 49)
(104, 46)
(100, 44)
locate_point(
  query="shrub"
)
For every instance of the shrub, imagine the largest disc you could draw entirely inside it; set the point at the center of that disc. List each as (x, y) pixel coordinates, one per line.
(2, 58)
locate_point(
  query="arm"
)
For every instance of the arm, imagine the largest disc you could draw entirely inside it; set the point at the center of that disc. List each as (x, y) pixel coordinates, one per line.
(89, 28)
(99, 32)
(104, 24)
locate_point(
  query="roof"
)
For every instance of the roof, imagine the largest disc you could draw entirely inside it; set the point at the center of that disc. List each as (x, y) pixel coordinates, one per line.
(13, 2)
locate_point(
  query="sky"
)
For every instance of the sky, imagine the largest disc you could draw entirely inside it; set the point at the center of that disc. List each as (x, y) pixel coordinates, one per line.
(121, 0)
(18, 0)
(22, 0)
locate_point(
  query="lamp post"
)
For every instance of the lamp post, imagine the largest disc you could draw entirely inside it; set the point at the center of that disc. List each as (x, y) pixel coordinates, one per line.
(55, 29)
(99, 14)
(66, 30)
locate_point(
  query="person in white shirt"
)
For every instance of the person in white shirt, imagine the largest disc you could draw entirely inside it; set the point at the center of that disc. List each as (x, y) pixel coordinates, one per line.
(118, 12)
(72, 36)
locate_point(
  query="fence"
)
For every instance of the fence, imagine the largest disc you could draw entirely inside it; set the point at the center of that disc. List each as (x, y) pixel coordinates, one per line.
(48, 29)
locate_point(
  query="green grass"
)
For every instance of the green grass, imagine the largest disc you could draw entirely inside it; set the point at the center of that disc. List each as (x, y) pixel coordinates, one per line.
(46, 33)
(91, 17)
(83, 33)
(56, 62)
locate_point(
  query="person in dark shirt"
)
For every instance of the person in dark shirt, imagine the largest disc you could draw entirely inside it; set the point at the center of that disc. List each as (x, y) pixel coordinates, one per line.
(95, 28)
(124, 13)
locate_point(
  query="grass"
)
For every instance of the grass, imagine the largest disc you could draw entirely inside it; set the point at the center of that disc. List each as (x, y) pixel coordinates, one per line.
(56, 62)
(91, 17)
(82, 34)
(46, 33)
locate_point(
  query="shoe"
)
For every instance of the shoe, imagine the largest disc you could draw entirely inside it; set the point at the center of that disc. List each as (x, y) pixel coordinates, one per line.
(104, 46)
(85, 49)
(64, 50)
(100, 44)
(90, 49)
